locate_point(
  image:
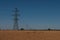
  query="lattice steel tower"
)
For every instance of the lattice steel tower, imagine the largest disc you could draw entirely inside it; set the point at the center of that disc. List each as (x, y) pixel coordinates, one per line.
(15, 26)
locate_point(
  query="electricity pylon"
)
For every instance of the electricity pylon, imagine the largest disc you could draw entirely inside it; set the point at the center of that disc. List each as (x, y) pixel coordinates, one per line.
(15, 26)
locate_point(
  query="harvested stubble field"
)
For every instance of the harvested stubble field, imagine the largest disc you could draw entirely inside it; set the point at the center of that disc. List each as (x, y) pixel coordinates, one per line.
(29, 35)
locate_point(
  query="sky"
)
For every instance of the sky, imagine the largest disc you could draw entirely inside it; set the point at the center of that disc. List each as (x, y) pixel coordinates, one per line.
(35, 14)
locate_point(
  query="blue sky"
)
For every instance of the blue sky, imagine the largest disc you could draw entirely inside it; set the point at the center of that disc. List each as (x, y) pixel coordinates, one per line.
(37, 14)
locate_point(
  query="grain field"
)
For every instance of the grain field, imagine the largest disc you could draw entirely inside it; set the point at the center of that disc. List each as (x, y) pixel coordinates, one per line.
(29, 35)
